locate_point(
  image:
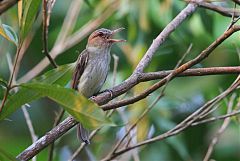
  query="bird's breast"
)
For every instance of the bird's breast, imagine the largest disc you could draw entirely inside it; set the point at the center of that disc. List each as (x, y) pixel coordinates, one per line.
(94, 75)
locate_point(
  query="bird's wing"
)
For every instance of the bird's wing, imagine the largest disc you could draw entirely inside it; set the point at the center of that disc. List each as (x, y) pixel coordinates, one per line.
(79, 69)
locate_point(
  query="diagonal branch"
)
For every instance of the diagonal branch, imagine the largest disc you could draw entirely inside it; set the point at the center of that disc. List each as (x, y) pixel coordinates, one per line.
(47, 139)
(185, 123)
(6, 4)
(160, 39)
(72, 40)
(228, 12)
(204, 54)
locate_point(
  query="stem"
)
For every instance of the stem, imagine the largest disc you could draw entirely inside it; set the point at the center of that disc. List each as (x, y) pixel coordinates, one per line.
(9, 86)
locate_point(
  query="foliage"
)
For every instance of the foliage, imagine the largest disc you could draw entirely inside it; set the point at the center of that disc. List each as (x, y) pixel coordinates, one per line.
(143, 21)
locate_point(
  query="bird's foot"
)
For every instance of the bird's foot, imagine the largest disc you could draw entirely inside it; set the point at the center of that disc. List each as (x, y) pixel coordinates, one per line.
(106, 90)
(109, 91)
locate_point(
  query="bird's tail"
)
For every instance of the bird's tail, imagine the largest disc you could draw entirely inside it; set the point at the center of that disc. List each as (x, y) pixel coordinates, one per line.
(83, 134)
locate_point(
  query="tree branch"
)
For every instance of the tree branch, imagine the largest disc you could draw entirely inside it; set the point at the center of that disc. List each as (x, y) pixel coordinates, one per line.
(204, 54)
(47, 139)
(220, 131)
(68, 123)
(133, 79)
(184, 124)
(71, 40)
(160, 39)
(228, 12)
(190, 72)
(47, 7)
(6, 4)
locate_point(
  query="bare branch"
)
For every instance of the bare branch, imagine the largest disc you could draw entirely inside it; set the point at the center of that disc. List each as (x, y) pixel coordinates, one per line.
(11, 78)
(47, 7)
(6, 4)
(25, 112)
(212, 119)
(221, 10)
(47, 139)
(185, 123)
(30, 127)
(220, 131)
(56, 122)
(72, 40)
(68, 124)
(118, 90)
(204, 54)
(160, 39)
(190, 72)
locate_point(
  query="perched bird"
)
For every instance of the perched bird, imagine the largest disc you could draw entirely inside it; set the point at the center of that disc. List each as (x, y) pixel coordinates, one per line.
(92, 68)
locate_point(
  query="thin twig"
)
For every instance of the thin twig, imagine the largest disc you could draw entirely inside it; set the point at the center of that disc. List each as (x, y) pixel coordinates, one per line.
(30, 127)
(72, 40)
(47, 7)
(11, 78)
(233, 20)
(212, 119)
(220, 131)
(68, 25)
(147, 110)
(204, 54)
(184, 124)
(116, 60)
(25, 112)
(221, 10)
(69, 22)
(56, 122)
(163, 35)
(53, 136)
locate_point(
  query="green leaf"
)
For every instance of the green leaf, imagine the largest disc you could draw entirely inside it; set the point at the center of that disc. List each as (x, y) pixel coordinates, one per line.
(60, 75)
(6, 156)
(18, 99)
(84, 110)
(3, 82)
(8, 33)
(88, 3)
(30, 9)
(207, 21)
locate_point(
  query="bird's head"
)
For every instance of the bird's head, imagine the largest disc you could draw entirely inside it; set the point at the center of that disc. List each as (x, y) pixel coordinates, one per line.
(103, 38)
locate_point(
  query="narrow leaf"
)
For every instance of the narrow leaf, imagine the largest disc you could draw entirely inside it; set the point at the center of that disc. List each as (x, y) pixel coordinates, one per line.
(18, 99)
(20, 10)
(8, 33)
(84, 110)
(3, 82)
(60, 75)
(6, 156)
(29, 13)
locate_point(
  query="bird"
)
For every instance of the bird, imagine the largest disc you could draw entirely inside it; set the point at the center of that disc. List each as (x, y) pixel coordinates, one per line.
(92, 68)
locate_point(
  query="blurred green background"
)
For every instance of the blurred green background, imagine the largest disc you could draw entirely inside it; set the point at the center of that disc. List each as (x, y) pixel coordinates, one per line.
(143, 20)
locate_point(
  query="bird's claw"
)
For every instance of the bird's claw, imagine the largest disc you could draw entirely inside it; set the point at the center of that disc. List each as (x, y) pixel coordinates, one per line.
(109, 91)
(106, 90)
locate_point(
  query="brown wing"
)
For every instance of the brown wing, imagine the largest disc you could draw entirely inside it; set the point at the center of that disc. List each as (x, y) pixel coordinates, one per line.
(79, 69)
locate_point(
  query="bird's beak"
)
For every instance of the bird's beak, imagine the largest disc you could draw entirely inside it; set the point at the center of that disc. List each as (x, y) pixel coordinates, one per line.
(113, 33)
